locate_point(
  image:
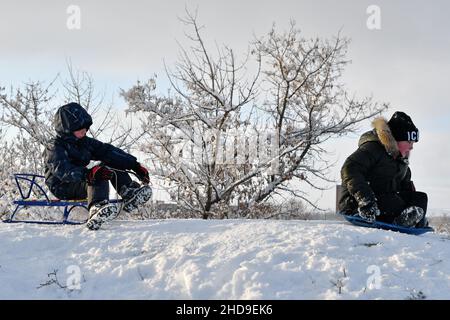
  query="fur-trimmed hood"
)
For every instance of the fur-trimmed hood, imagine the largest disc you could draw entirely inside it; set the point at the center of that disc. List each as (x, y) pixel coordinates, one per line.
(381, 133)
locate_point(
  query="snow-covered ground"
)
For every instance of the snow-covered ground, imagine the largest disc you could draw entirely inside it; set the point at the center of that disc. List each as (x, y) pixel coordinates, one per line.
(227, 259)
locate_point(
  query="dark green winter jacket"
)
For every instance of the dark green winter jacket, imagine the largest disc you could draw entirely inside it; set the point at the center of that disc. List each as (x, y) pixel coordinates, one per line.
(375, 168)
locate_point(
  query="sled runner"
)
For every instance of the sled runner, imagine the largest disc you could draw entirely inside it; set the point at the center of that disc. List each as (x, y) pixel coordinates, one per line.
(358, 221)
(27, 184)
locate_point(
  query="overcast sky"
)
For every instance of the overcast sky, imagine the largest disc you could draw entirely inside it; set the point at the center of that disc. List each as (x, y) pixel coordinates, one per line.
(405, 63)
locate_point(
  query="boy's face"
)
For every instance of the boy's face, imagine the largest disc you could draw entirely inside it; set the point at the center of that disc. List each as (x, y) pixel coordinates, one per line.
(405, 148)
(80, 134)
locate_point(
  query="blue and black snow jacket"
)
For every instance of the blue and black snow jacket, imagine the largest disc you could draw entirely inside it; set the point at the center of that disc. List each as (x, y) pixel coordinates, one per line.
(66, 157)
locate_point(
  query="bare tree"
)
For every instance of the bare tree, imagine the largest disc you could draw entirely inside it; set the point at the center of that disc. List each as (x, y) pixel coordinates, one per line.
(79, 87)
(299, 99)
(7, 161)
(27, 111)
(209, 99)
(307, 104)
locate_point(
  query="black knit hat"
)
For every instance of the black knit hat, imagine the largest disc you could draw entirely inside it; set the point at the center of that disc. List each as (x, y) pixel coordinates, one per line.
(402, 127)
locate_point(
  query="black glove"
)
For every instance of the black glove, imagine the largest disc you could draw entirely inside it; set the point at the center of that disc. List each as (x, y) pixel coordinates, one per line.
(369, 212)
(142, 173)
(367, 207)
(98, 173)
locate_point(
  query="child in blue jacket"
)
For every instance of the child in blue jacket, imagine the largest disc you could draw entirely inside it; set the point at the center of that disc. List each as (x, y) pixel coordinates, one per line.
(67, 176)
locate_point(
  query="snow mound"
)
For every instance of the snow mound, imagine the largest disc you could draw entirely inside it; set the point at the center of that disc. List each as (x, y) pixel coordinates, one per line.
(226, 259)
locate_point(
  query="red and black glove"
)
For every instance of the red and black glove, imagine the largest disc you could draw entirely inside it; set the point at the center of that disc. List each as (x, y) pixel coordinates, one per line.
(142, 173)
(99, 173)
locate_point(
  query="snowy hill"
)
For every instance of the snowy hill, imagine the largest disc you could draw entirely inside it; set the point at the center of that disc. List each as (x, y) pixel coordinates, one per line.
(227, 259)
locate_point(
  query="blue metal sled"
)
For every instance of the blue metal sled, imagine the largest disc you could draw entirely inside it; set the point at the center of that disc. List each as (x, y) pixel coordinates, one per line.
(358, 221)
(32, 181)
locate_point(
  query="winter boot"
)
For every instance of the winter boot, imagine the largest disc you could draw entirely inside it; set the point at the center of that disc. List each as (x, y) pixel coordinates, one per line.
(100, 213)
(410, 217)
(423, 223)
(134, 195)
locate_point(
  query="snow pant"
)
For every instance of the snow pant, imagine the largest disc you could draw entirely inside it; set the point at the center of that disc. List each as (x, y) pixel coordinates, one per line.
(96, 192)
(392, 204)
